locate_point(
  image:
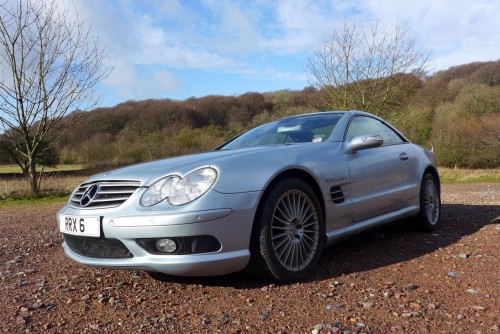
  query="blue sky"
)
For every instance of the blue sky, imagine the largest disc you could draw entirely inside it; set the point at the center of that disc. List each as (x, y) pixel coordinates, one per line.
(178, 49)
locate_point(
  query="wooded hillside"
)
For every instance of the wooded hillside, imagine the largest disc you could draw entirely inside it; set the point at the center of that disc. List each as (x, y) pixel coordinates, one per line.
(457, 112)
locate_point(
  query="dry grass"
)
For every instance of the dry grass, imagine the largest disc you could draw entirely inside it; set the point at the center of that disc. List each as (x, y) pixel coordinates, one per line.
(51, 185)
(462, 175)
(8, 169)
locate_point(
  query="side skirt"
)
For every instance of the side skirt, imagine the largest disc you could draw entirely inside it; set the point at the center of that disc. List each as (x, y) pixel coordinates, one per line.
(337, 235)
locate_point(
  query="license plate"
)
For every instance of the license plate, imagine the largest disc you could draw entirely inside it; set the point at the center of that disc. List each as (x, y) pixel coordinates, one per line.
(78, 225)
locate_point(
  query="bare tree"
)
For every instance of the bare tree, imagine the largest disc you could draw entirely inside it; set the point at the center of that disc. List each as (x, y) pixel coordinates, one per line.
(371, 68)
(148, 134)
(49, 67)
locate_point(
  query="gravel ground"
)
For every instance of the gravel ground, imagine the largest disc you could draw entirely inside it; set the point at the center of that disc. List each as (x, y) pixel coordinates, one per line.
(393, 281)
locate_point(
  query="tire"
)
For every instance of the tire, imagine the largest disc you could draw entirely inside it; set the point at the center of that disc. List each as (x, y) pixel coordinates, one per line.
(288, 233)
(430, 204)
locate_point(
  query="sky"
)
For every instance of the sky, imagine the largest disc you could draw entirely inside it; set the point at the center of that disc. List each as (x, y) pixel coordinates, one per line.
(178, 49)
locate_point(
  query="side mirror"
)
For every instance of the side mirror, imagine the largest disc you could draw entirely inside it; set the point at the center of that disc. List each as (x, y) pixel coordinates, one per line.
(363, 142)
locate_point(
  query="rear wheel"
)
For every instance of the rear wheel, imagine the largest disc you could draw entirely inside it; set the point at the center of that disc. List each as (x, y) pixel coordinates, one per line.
(288, 235)
(430, 204)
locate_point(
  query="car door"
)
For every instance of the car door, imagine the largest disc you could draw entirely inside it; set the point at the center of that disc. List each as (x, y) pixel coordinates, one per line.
(380, 176)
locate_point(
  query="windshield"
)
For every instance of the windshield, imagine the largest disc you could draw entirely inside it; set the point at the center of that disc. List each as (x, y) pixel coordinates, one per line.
(298, 129)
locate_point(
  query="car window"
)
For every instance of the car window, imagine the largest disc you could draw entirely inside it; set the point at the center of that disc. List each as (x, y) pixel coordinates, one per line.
(362, 126)
(395, 138)
(297, 129)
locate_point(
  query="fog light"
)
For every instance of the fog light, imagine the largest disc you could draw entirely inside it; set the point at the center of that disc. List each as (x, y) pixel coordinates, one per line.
(166, 245)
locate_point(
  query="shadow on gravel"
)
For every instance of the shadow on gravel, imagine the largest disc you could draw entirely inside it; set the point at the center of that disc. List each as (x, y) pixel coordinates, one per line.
(400, 242)
(394, 243)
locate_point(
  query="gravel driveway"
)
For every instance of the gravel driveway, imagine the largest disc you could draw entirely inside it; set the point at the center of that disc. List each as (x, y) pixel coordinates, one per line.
(394, 280)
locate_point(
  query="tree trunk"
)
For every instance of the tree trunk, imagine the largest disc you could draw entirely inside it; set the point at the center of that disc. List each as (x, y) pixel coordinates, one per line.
(32, 178)
(39, 179)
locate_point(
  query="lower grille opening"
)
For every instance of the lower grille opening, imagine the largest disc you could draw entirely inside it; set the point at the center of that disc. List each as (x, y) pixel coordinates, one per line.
(101, 248)
(185, 245)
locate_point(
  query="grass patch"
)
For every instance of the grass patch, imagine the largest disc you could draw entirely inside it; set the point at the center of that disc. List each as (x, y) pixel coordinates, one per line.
(459, 175)
(54, 188)
(33, 200)
(15, 169)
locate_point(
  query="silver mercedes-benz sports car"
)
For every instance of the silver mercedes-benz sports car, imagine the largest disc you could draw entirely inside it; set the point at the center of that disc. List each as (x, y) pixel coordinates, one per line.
(268, 200)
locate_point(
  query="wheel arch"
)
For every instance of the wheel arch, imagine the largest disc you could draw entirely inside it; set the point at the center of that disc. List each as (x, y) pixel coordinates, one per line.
(300, 174)
(431, 170)
(261, 262)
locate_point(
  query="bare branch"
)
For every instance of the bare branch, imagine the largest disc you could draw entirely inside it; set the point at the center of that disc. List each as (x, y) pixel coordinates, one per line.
(368, 68)
(49, 67)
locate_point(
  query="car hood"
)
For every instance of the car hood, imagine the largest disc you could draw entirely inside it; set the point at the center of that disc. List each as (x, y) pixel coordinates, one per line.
(149, 172)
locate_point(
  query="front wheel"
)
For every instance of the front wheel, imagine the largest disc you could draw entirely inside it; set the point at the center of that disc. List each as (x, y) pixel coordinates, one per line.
(430, 204)
(288, 234)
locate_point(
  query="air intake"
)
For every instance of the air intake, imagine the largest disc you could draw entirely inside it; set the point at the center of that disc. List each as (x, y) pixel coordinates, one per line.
(337, 194)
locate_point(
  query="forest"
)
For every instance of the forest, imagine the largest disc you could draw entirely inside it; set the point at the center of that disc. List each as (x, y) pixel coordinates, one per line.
(456, 112)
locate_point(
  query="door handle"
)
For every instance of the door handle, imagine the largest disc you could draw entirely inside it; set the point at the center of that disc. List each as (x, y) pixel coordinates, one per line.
(403, 156)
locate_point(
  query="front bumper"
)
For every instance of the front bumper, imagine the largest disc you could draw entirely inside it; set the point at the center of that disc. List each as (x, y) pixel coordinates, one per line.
(231, 227)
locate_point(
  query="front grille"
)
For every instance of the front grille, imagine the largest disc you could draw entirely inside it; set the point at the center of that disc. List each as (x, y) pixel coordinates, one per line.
(105, 194)
(101, 248)
(185, 245)
(337, 194)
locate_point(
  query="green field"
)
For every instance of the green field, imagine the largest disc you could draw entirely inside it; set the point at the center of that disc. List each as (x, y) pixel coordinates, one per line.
(10, 169)
(462, 175)
(55, 187)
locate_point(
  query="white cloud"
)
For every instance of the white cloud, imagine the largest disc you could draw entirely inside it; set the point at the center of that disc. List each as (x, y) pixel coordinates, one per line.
(233, 27)
(141, 33)
(153, 41)
(457, 31)
(150, 83)
(300, 25)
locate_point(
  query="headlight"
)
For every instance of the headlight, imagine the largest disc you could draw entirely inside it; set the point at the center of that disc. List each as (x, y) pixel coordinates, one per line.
(179, 191)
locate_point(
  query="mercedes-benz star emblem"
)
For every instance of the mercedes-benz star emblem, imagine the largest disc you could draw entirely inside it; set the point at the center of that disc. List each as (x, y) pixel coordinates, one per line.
(89, 195)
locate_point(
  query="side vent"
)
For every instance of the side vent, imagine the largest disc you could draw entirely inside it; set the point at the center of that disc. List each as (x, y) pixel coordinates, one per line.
(337, 194)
